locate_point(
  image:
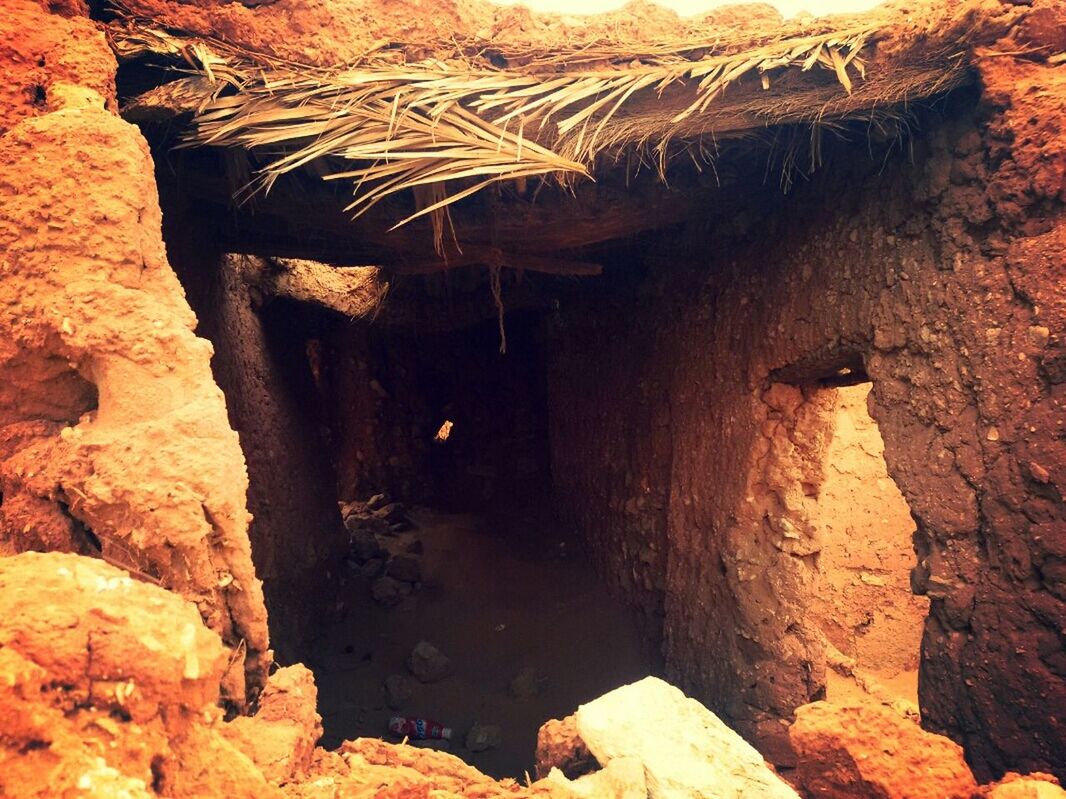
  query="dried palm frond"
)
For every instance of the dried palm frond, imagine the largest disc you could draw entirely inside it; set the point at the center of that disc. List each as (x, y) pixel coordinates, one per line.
(421, 126)
(405, 129)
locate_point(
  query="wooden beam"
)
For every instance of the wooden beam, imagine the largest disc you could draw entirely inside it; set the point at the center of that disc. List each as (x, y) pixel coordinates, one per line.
(363, 293)
(303, 218)
(474, 255)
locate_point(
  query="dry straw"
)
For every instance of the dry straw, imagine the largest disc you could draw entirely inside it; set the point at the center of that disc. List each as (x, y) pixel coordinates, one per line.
(390, 128)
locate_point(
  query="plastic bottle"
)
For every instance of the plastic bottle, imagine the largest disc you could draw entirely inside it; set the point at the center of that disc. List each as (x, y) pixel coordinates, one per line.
(418, 729)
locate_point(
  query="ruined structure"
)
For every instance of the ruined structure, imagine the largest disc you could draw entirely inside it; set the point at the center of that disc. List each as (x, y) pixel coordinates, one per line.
(194, 372)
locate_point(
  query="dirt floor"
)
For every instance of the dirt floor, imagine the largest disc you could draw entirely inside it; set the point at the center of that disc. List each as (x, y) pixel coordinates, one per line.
(497, 598)
(865, 604)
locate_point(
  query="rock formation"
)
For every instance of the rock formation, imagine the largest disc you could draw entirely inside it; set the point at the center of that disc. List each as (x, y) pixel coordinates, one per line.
(114, 435)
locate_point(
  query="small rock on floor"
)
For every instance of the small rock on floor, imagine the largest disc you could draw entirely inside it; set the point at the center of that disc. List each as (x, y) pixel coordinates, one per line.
(428, 663)
(388, 592)
(350, 508)
(371, 569)
(393, 513)
(482, 737)
(362, 544)
(406, 569)
(398, 690)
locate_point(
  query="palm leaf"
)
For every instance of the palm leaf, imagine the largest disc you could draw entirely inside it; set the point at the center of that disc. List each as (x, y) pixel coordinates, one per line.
(414, 126)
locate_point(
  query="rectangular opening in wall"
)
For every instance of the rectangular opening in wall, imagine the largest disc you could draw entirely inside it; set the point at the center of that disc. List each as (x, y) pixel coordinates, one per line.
(864, 605)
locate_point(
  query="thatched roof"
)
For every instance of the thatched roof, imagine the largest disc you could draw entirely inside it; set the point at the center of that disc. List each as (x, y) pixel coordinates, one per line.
(449, 127)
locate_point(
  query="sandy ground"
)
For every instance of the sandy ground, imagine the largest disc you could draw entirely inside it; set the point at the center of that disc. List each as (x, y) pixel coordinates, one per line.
(495, 600)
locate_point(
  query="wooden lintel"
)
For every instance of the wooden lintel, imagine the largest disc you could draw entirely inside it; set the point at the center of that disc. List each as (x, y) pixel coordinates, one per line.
(307, 221)
(353, 291)
(472, 255)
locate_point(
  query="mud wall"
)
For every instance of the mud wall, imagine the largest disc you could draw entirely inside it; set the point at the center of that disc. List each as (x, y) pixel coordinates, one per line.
(611, 445)
(380, 424)
(262, 366)
(942, 276)
(389, 391)
(113, 436)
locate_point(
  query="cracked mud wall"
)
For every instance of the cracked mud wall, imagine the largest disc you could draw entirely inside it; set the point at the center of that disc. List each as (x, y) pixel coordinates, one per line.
(943, 276)
(260, 362)
(113, 435)
(864, 602)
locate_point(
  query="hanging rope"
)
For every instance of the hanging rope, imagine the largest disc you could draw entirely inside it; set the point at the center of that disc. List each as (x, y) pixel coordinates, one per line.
(494, 284)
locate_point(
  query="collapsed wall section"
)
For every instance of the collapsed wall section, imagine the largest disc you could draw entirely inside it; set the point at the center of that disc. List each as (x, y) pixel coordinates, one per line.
(942, 278)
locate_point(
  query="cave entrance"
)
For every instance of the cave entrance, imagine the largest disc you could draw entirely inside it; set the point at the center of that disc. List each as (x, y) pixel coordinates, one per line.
(441, 448)
(864, 605)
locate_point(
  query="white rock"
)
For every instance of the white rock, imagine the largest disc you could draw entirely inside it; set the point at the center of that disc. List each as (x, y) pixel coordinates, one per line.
(687, 751)
(622, 778)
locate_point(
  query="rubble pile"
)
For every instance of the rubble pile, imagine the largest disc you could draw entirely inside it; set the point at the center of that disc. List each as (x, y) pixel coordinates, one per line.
(110, 688)
(391, 564)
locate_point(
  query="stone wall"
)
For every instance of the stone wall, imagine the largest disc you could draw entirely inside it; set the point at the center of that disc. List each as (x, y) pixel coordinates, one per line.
(940, 274)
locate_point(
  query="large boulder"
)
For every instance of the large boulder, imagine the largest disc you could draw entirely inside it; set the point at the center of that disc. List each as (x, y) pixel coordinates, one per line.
(859, 751)
(687, 751)
(109, 688)
(1029, 786)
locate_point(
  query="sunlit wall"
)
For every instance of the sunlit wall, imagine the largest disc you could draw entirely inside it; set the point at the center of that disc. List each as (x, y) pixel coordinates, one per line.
(787, 8)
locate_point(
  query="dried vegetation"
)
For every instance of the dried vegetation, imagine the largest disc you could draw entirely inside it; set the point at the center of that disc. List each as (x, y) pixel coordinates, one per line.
(389, 127)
